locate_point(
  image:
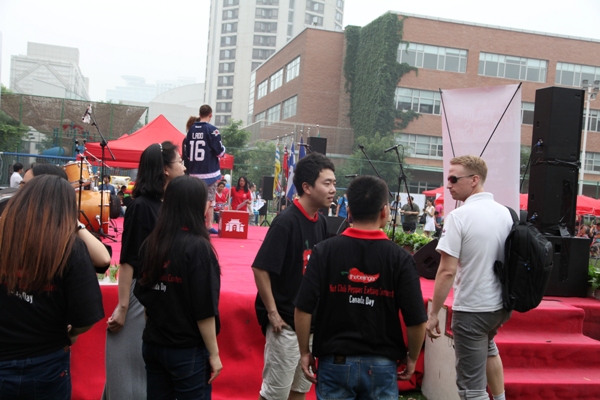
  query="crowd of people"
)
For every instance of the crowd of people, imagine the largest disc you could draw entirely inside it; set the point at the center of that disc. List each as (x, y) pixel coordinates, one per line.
(340, 301)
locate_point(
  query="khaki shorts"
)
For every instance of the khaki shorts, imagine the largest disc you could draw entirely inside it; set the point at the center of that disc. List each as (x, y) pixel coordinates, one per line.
(282, 372)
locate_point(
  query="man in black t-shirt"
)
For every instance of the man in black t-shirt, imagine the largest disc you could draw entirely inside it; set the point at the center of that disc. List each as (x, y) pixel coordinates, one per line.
(278, 269)
(357, 283)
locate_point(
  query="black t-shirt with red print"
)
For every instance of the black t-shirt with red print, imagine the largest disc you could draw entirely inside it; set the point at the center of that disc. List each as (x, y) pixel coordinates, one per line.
(35, 324)
(357, 283)
(187, 292)
(284, 254)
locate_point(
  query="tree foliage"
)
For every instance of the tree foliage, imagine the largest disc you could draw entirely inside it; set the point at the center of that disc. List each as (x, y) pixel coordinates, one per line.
(12, 131)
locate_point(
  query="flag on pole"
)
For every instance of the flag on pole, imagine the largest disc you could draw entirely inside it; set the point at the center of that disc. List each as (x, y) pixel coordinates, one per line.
(285, 162)
(302, 149)
(291, 189)
(277, 165)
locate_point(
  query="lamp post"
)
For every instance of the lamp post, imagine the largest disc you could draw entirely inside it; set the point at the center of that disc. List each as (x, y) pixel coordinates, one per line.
(591, 90)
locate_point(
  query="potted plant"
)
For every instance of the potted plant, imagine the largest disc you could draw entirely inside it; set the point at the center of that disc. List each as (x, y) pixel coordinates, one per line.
(412, 242)
(594, 274)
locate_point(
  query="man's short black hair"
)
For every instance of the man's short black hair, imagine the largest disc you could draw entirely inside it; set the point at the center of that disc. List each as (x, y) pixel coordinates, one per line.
(308, 170)
(366, 197)
(106, 176)
(17, 167)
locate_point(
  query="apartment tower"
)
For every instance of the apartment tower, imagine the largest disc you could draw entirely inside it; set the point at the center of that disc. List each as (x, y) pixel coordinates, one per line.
(243, 34)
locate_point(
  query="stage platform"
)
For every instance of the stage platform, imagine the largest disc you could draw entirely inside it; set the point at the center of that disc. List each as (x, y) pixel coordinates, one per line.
(551, 352)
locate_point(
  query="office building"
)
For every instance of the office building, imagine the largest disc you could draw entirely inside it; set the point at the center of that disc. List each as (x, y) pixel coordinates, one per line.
(49, 70)
(451, 55)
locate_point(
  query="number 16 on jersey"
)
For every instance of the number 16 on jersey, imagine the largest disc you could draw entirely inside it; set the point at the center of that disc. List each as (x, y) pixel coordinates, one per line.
(197, 150)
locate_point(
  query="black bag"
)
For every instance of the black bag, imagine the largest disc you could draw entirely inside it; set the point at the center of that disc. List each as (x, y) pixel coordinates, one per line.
(527, 266)
(423, 218)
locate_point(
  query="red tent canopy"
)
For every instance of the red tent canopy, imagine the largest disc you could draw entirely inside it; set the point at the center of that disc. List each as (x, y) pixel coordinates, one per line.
(434, 192)
(128, 148)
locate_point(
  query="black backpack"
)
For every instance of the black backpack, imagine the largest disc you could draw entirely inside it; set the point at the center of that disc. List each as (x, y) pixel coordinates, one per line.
(423, 218)
(527, 266)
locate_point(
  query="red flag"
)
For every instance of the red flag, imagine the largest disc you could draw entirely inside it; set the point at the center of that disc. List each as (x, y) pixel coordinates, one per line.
(284, 162)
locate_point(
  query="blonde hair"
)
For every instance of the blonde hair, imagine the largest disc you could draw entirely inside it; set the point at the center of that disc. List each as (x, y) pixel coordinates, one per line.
(474, 164)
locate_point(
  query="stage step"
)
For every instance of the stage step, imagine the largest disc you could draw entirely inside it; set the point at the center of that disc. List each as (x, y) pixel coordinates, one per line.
(553, 383)
(565, 319)
(546, 350)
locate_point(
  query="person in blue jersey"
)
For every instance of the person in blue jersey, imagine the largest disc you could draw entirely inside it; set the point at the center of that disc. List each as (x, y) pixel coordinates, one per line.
(202, 148)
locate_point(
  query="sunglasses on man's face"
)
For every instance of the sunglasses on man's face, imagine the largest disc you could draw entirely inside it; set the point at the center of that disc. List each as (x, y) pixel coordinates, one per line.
(454, 179)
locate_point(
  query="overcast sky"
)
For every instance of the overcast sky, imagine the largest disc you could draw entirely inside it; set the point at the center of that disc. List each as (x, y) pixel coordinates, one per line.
(167, 39)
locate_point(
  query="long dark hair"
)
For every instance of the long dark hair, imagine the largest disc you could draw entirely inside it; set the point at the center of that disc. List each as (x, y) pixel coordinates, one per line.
(151, 177)
(238, 187)
(37, 232)
(183, 208)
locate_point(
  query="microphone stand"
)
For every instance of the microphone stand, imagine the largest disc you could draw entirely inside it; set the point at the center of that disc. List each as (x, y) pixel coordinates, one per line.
(401, 178)
(103, 145)
(362, 148)
(82, 157)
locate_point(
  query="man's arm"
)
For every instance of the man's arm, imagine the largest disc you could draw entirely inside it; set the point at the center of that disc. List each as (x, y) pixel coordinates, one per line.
(263, 284)
(416, 336)
(302, 320)
(443, 283)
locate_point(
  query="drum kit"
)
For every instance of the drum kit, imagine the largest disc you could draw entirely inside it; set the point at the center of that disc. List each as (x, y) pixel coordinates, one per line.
(96, 208)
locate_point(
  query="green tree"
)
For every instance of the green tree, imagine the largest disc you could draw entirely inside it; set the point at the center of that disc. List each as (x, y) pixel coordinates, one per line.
(386, 163)
(12, 131)
(235, 139)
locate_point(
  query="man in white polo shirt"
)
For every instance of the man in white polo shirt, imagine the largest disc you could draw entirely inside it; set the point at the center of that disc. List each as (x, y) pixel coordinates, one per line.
(472, 240)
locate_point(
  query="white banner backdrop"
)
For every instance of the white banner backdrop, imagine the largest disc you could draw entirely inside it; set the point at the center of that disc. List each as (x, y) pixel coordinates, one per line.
(469, 117)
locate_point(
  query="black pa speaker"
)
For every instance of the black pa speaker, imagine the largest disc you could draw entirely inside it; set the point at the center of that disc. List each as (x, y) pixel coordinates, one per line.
(266, 186)
(317, 144)
(428, 260)
(557, 123)
(569, 277)
(336, 225)
(552, 197)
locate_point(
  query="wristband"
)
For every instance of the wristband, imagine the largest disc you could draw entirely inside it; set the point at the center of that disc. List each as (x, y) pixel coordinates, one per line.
(80, 226)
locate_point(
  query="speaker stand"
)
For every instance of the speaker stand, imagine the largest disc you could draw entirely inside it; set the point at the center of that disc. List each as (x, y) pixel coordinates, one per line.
(266, 220)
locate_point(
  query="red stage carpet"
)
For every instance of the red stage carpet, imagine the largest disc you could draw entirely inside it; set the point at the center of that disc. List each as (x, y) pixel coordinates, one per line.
(544, 351)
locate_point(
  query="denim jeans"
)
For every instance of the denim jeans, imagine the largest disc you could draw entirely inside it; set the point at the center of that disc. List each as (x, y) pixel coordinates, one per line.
(43, 377)
(360, 377)
(176, 373)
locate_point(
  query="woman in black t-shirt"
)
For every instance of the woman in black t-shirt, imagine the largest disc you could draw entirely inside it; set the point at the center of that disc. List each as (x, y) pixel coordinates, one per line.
(49, 292)
(125, 373)
(179, 287)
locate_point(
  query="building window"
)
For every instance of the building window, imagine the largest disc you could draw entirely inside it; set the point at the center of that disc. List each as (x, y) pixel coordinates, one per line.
(261, 91)
(227, 67)
(261, 54)
(289, 107)
(313, 20)
(226, 80)
(228, 41)
(230, 14)
(274, 114)
(255, 64)
(340, 4)
(222, 120)
(421, 101)
(224, 94)
(261, 40)
(260, 116)
(276, 80)
(592, 162)
(527, 113)
(292, 70)
(338, 28)
(229, 27)
(290, 31)
(573, 74)
(594, 120)
(265, 27)
(229, 3)
(267, 2)
(338, 16)
(315, 7)
(266, 13)
(421, 146)
(421, 186)
(510, 67)
(223, 106)
(227, 54)
(433, 57)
